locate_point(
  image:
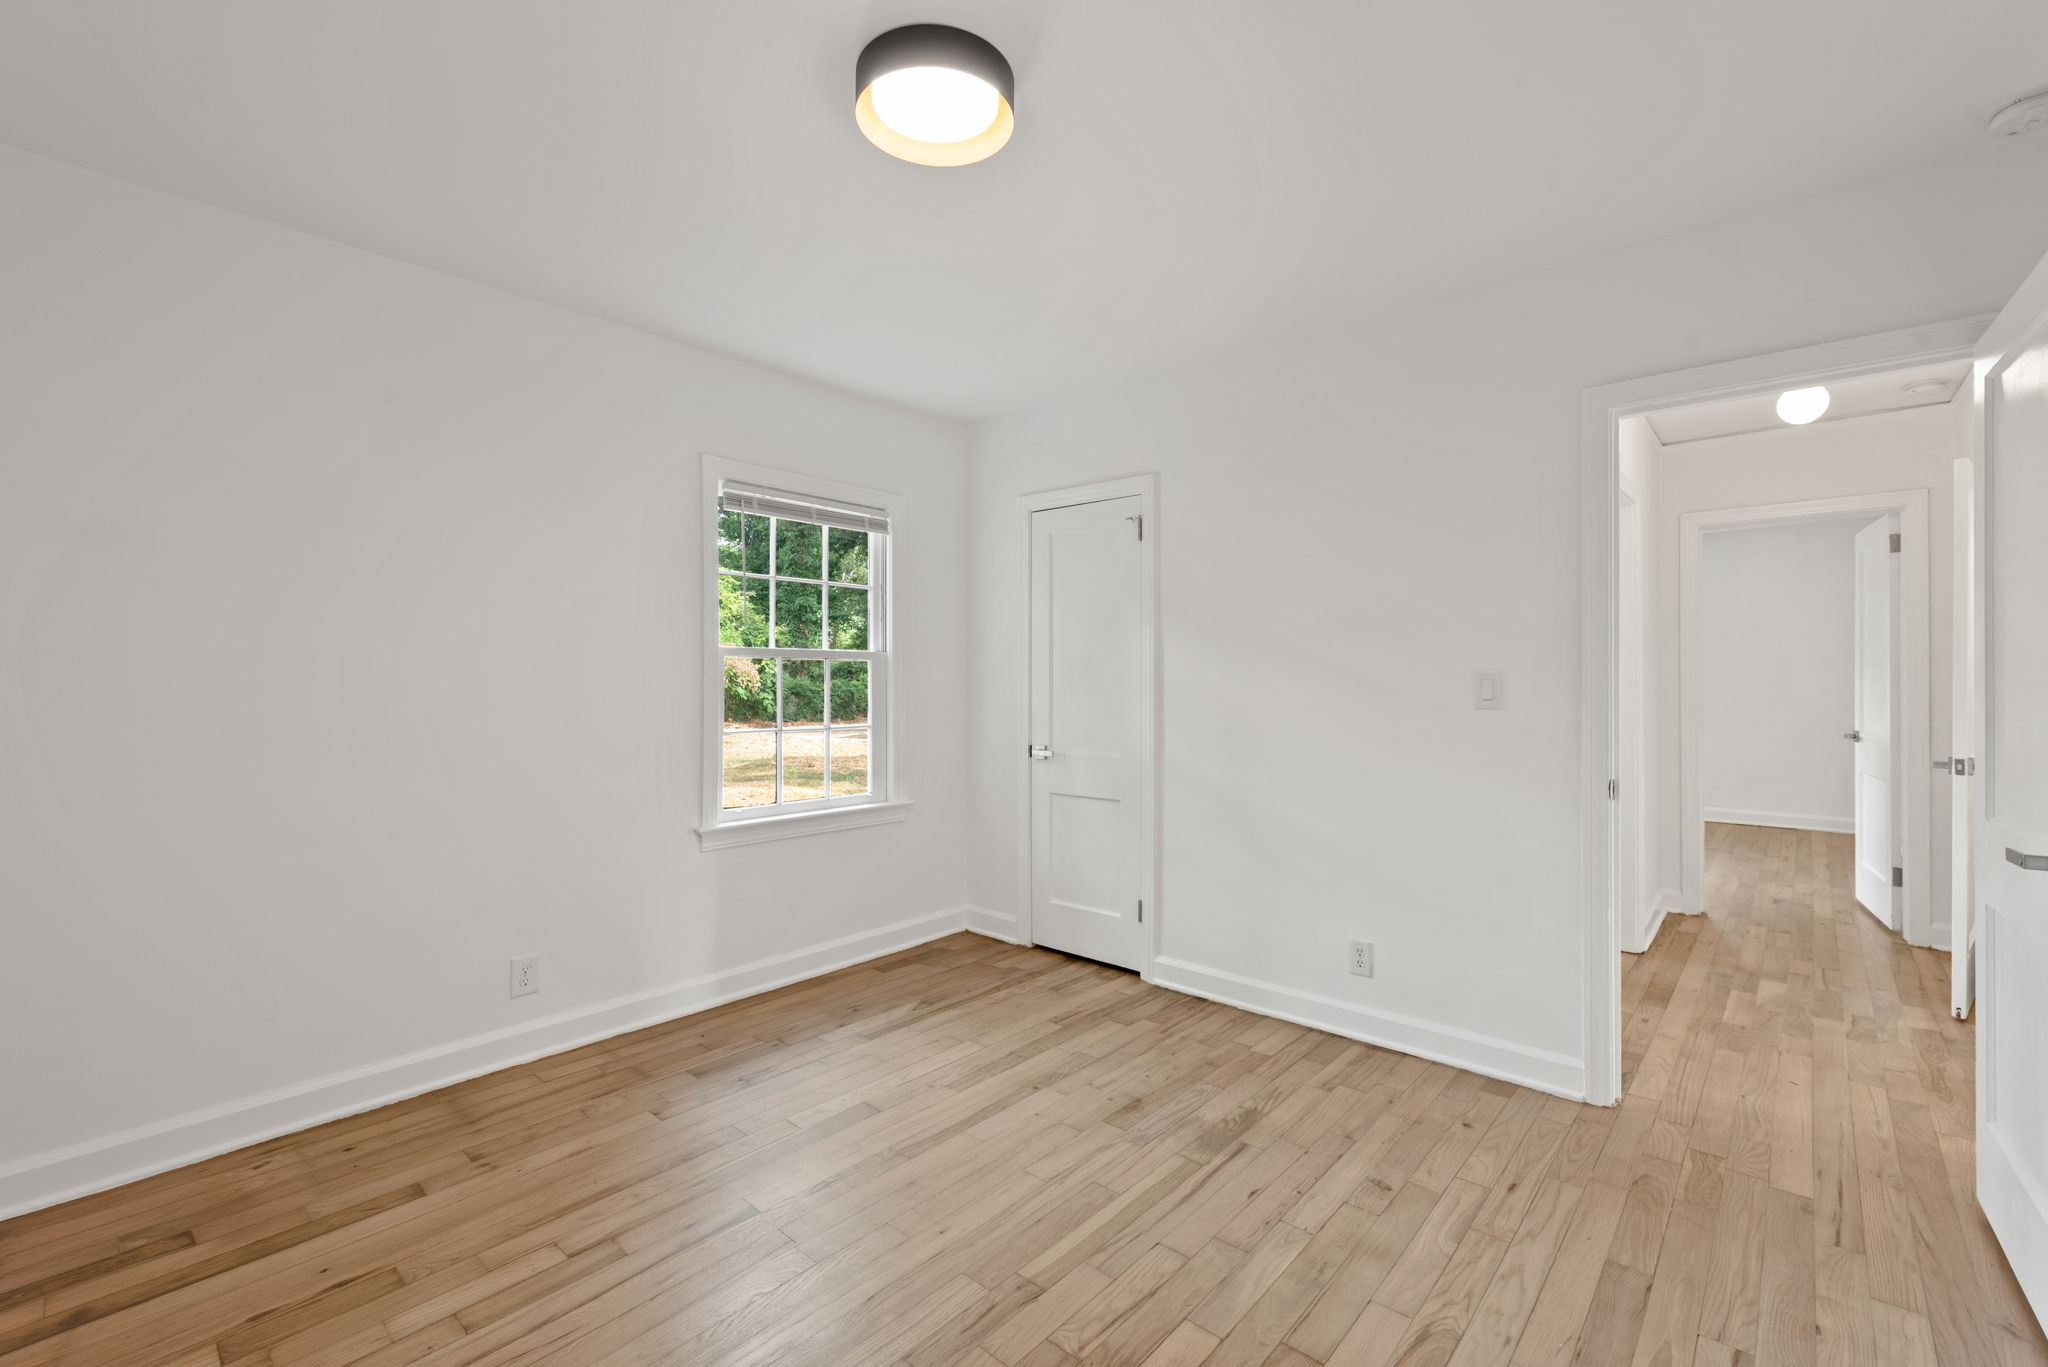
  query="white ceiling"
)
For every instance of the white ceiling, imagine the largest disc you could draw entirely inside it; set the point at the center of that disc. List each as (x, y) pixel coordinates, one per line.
(1858, 398)
(1186, 174)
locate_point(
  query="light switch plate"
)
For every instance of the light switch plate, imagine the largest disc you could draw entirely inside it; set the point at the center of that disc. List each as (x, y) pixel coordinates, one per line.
(1490, 690)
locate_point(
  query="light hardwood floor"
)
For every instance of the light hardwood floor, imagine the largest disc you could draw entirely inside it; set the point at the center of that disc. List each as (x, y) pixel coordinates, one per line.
(976, 1154)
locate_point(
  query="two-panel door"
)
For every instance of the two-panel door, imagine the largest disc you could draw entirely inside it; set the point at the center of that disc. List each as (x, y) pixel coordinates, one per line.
(1087, 677)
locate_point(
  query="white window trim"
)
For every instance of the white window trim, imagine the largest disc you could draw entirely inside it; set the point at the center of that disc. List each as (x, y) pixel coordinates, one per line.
(719, 828)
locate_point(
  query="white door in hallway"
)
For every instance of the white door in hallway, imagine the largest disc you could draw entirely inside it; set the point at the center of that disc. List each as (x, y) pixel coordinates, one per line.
(2012, 831)
(1088, 643)
(1876, 629)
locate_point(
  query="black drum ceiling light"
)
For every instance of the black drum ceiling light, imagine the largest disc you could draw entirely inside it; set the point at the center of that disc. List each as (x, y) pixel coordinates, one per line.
(935, 95)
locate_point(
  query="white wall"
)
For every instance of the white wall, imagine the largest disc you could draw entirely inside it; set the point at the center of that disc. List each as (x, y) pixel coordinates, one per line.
(1350, 525)
(1912, 449)
(351, 621)
(1644, 897)
(1777, 675)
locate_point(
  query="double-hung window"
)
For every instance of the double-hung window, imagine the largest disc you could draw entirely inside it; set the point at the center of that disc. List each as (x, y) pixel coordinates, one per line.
(802, 655)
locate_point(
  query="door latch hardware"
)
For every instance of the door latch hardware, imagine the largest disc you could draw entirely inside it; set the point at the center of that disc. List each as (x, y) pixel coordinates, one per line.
(1038, 751)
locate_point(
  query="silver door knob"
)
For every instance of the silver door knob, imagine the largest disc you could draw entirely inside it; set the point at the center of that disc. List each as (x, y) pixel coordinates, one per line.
(1852, 735)
(1040, 752)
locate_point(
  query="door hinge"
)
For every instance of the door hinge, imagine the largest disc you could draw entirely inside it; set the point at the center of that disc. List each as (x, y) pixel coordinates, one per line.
(1898, 876)
(1138, 518)
(1897, 545)
(1141, 911)
(1613, 789)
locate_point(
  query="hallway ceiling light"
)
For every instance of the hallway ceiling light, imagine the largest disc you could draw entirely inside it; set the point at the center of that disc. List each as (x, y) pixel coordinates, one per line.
(934, 95)
(1802, 406)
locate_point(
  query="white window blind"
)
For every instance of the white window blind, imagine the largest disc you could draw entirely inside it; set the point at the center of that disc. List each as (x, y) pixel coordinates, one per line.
(748, 498)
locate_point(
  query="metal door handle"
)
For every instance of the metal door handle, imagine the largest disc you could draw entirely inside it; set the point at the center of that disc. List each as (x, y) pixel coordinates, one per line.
(1852, 735)
(1039, 751)
(2033, 863)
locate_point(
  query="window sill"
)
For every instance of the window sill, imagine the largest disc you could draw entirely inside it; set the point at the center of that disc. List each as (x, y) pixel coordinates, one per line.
(803, 823)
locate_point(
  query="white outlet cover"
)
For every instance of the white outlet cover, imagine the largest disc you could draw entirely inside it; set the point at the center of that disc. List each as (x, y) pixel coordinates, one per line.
(526, 975)
(1360, 963)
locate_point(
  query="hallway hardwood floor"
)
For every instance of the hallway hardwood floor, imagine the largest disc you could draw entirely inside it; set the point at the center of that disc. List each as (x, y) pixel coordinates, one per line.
(976, 1154)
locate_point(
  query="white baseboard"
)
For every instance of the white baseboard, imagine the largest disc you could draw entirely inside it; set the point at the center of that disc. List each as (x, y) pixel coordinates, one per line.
(1664, 904)
(2018, 1211)
(1791, 821)
(1558, 1074)
(58, 1175)
(997, 925)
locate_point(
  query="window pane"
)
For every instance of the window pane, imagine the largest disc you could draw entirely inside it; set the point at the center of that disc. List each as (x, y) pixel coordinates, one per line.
(803, 765)
(803, 692)
(749, 692)
(800, 549)
(849, 619)
(799, 616)
(849, 692)
(742, 611)
(849, 762)
(750, 768)
(743, 542)
(849, 556)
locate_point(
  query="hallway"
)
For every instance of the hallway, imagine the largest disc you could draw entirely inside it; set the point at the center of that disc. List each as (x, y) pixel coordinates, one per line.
(1805, 1108)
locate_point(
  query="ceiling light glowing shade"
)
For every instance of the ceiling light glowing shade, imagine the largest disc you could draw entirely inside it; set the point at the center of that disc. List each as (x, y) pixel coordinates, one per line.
(934, 95)
(1802, 406)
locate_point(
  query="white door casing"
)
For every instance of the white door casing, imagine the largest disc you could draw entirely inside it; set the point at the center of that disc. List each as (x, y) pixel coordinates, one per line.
(1631, 884)
(1601, 410)
(1088, 757)
(1963, 744)
(1875, 719)
(2011, 840)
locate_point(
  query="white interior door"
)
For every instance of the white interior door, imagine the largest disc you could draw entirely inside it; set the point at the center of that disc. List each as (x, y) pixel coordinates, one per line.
(1962, 811)
(1087, 755)
(1876, 630)
(2012, 831)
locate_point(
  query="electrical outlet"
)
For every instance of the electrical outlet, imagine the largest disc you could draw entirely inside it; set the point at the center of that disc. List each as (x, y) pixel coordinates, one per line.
(1361, 958)
(526, 975)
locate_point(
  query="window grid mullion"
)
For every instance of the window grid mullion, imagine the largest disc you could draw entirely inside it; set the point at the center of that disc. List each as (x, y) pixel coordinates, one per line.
(781, 682)
(795, 579)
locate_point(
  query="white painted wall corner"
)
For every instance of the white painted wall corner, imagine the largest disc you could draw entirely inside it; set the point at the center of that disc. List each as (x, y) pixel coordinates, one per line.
(997, 925)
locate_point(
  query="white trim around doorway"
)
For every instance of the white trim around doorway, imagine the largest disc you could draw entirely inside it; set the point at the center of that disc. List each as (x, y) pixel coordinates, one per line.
(1601, 410)
(1910, 757)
